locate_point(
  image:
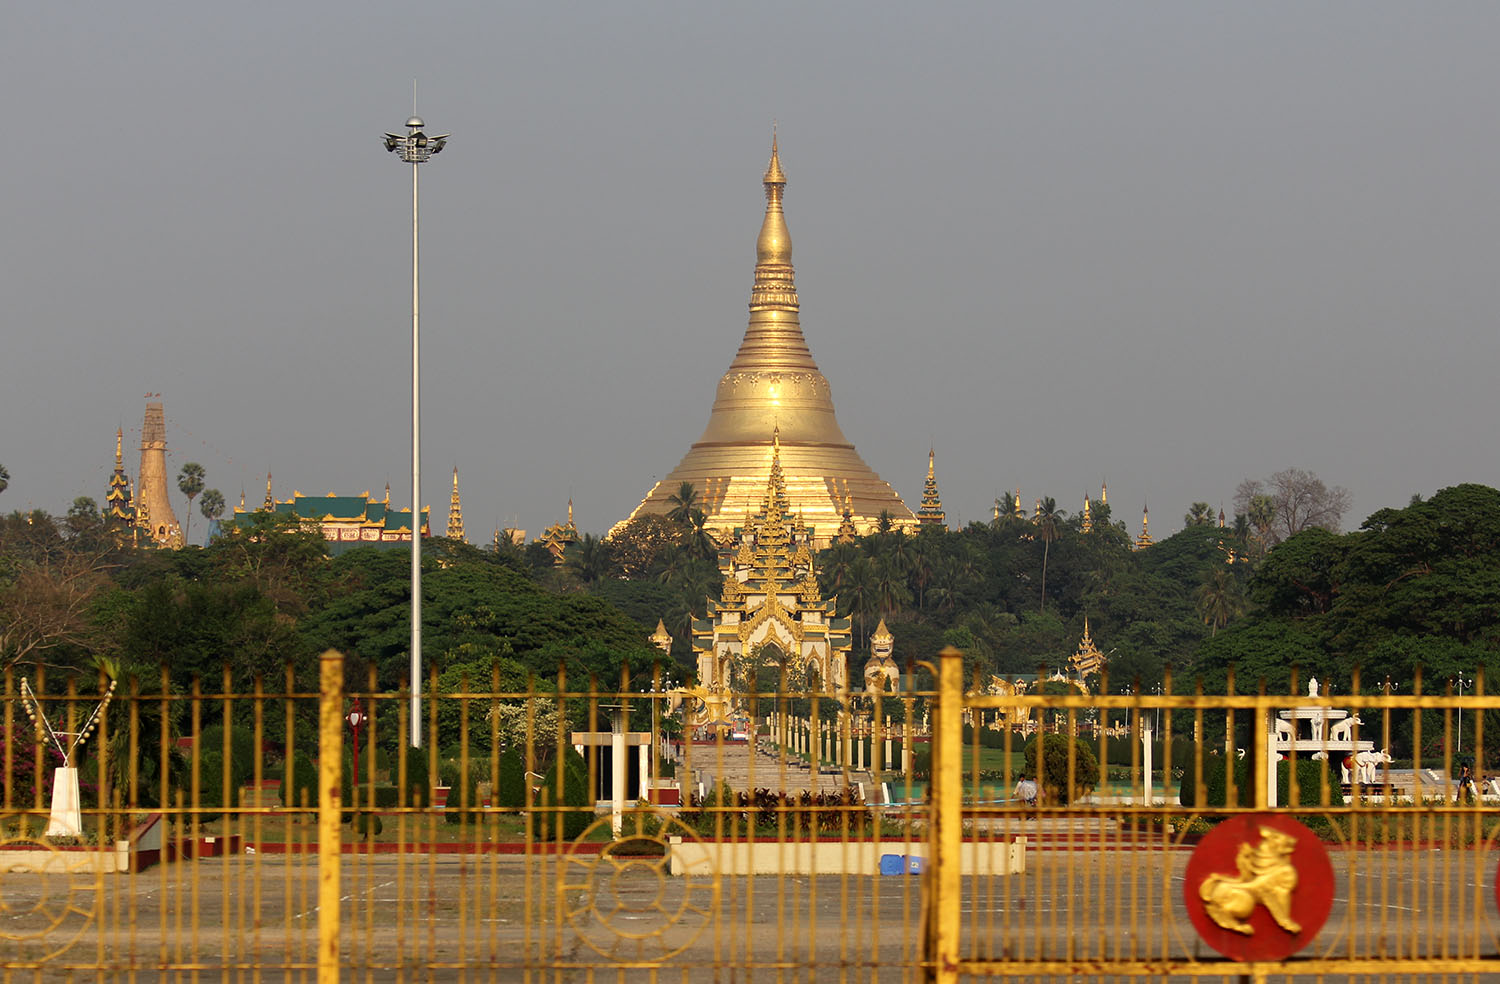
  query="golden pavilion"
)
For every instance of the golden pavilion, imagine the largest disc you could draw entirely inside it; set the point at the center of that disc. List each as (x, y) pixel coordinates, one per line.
(343, 520)
(773, 389)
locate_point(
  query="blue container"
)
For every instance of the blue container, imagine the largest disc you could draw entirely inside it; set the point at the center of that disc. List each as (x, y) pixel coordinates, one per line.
(892, 864)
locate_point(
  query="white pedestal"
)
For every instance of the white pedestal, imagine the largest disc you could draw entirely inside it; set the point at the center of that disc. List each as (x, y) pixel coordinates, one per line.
(67, 816)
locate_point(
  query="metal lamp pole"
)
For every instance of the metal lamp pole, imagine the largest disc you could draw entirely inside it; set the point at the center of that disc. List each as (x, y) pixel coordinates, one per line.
(415, 148)
(1462, 683)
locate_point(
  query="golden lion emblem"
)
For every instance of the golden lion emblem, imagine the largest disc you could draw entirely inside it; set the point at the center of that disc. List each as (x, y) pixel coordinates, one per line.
(1266, 878)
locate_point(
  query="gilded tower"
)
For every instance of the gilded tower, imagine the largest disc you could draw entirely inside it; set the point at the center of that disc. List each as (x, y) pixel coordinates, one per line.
(773, 385)
(119, 510)
(931, 510)
(163, 529)
(455, 512)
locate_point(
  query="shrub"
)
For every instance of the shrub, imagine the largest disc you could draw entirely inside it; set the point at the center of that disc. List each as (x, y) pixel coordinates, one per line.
(510, 787)
(1055, 750)
(418, 789)
(299, 783)
(210, 750)
(463, 792)
(575, 809)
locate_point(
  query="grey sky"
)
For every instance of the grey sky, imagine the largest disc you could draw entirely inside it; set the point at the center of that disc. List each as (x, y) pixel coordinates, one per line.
(1170, 245)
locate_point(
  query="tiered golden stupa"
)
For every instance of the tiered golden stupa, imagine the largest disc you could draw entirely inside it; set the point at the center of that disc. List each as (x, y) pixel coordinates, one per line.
(773, 385)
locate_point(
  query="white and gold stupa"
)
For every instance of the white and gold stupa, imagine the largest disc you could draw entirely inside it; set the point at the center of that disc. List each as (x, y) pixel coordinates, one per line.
(773, 387)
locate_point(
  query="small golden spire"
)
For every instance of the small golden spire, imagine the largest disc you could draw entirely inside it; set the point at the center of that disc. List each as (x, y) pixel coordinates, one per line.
(1221, 515)
(387, 499)
(1104, 494)
(242, 498)
(1088, 527)
(455, 512)
(270, 502)
(570, 513)
(119, 447)
(1144, 540)
(774, 175)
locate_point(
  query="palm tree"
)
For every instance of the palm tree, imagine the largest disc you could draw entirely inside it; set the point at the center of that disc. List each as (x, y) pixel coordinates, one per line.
(1219, 599)
(588, 559)
(860, 595)
(212, 505)
(1198, 514)
(684, 503)
(890, 586)
(921, 570)
(1048, 519)
(4, 479)
(190, 483)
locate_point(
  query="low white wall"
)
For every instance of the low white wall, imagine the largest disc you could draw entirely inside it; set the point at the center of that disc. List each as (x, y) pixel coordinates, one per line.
(1000, 857)
(101, 860)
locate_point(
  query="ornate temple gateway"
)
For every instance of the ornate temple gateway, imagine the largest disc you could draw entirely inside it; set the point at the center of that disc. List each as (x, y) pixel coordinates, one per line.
(774, 384)
(770, 607)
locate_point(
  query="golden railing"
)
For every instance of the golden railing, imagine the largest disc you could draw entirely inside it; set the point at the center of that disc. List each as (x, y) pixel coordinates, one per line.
(737, 884)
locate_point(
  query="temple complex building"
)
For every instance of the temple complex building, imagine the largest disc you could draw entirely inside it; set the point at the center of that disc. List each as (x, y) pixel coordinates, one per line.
(773, 389)
(344, 520)
(1144, 540)
(152, 480)
(559, 536)
(770, 606)
(1088, 660)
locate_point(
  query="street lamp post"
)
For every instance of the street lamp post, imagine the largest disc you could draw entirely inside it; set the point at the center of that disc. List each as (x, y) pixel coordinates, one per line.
(415, 148)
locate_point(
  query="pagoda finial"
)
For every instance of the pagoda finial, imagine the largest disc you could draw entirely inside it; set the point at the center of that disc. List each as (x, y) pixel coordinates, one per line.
(1104, 494)
(570, 512)
(1221, 515)
(270, 502)
(455, 512)
(119, 447)
(773, 248)
(774, 175)
(1088, 525)
(242, 498)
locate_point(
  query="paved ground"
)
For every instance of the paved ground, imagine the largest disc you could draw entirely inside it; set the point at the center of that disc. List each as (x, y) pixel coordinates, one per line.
(496, 918)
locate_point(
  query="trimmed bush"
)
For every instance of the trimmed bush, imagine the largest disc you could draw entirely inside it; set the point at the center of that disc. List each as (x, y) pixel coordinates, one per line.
(510, 788)
(210, 750)
(299, 783)
(1053, 775)
(463, 792)
(576, 811)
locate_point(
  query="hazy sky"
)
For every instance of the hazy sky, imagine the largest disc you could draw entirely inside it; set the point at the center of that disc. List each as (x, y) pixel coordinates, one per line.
(1170, 245)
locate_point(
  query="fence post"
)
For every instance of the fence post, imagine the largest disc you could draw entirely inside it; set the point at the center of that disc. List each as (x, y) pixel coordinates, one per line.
(947, 794)
(330, 768)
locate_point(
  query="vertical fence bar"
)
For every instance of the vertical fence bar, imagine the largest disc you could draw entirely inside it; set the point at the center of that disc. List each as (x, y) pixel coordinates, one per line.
(946, 878)
(330, 768)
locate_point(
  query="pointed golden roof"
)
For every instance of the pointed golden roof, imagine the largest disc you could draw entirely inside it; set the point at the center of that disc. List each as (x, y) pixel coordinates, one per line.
(1088, 659)
(773, 382)
(931, 510)
(455, 511)
(1144, 540)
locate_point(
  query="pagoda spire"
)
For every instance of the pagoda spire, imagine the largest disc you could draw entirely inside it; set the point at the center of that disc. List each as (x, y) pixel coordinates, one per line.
(118, 506)
(270, 502)
(1144, 540)
(455, 511)
(1088, 527)
(1104, 494)
(773, 378)
(930, 513)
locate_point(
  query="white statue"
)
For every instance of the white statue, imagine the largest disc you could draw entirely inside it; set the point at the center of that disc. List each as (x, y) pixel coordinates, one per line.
(1312, 686)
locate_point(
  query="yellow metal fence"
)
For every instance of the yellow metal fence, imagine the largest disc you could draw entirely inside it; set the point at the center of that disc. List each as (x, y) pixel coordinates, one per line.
(891, 837)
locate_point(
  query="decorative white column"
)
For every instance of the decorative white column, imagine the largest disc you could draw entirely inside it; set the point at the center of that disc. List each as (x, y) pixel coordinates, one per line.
(644, 780)
(1146, 737)
(888, 759)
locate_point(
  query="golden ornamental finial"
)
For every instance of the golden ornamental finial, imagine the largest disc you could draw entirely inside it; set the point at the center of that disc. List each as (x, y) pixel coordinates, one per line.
(120, 448)
(774, 175)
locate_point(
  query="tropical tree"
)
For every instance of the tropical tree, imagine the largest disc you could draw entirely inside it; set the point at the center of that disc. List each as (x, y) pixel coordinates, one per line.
(212, 505)
(1048, 521)
(4, 479)
(1219, 599)
(684, 504)
(588, 559)
(1198, 514)
(190, 483)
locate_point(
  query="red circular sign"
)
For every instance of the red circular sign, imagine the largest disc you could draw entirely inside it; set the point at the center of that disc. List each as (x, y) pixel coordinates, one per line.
(1259, 887)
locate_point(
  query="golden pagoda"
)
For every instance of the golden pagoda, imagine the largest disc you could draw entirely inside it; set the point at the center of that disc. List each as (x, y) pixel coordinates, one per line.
(559, 536)
(774, 384)
(1088, 660)
(455, 512)
(1144, 540)
(119, 510)
(770, 603)
(162, 525)
(1088, 516)
(931, 511)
